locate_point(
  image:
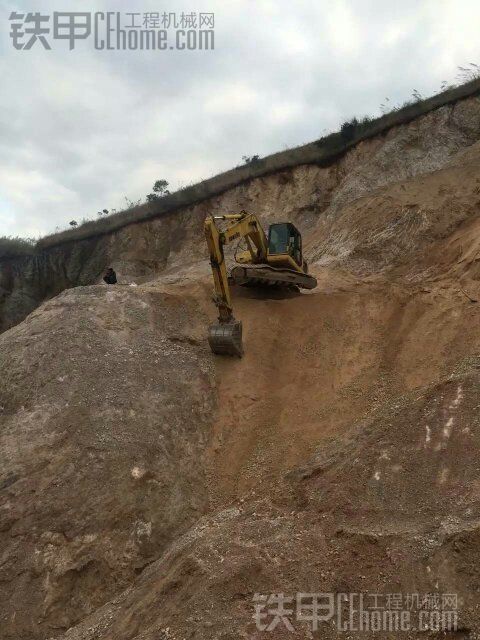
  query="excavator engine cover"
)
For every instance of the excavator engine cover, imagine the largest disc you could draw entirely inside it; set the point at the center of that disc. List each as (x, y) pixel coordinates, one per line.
(225, 338)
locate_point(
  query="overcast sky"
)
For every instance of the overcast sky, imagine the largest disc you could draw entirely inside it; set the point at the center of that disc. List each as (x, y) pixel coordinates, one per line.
(82, 129)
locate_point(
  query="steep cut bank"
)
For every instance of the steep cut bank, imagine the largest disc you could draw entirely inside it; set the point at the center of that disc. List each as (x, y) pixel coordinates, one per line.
(344, 452)
(304, 193)
(148, 489)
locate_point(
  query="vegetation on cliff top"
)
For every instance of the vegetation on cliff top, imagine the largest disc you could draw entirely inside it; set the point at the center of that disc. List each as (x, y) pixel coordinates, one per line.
(13, 246)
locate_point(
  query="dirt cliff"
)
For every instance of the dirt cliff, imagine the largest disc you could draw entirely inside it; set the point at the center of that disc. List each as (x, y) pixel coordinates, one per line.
(148, 490)
(305, 193)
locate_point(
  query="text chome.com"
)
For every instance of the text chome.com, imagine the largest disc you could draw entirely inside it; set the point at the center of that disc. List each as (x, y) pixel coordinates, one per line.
(114, 31)
(357, 612)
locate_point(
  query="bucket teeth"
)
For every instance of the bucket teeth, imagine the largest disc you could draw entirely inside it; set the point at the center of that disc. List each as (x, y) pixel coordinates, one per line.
(225, 338)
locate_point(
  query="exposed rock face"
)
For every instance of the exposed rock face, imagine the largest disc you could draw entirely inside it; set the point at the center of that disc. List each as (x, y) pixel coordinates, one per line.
(139, 250)
(149, 489)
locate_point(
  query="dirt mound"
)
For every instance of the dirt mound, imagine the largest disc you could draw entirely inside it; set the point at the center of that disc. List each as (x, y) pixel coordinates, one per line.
(105, 408)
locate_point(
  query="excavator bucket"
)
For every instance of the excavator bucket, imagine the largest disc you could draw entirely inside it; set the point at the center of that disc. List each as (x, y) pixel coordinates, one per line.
(225, 338)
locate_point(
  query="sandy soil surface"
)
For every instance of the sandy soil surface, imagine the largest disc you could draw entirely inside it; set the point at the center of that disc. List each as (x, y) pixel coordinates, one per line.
(148, 490)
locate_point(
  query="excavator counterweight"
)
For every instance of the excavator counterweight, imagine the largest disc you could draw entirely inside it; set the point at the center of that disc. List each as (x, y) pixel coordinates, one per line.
(274, 261)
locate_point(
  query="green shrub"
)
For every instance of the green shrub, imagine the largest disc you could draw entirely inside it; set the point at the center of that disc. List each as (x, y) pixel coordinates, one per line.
(159, 191)
(251, 159)
(349, 129)
(12, 246)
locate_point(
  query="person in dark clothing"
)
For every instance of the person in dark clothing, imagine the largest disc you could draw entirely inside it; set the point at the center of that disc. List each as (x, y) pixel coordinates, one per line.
(110, 276)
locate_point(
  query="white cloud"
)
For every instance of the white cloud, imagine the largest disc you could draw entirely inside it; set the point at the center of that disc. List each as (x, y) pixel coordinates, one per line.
(344, 32)
(232, 98)
(79, 130)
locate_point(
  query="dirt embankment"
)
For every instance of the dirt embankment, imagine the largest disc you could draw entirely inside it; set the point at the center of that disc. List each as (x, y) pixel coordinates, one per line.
(148, 489)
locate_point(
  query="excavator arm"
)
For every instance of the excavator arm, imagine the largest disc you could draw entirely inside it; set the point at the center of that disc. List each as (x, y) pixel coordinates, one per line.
(226, 336)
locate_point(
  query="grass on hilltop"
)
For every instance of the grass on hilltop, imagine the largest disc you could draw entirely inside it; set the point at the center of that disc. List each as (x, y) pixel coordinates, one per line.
(13, 246)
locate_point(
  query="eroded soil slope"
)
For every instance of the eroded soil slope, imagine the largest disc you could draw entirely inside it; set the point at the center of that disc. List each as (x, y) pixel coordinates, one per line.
(149, 490)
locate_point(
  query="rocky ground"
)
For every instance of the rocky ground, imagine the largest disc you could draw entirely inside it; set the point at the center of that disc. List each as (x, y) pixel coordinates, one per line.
(152, 491)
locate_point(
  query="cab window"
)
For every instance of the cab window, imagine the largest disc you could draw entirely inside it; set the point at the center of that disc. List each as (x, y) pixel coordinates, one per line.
(278, 238)
(284, 238)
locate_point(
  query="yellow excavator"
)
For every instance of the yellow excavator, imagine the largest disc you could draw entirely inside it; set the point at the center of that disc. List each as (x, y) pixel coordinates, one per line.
(276, 260)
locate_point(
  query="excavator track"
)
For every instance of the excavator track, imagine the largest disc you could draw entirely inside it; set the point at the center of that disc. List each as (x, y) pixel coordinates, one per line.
(263, 274)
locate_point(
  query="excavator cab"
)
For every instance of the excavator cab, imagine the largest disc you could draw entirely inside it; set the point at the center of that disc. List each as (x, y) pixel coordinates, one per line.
(284, 239)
